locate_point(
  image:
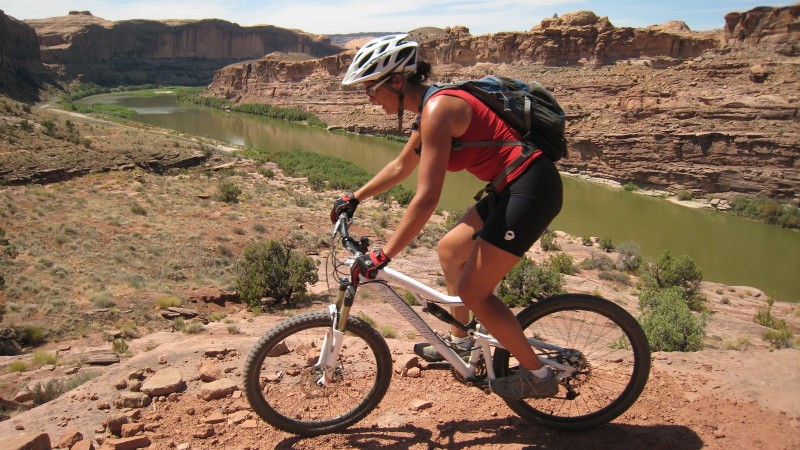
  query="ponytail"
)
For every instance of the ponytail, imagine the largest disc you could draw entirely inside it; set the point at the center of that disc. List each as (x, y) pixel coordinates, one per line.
(421, 74)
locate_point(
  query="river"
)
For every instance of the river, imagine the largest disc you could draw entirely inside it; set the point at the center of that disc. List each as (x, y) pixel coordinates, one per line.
(728, 249)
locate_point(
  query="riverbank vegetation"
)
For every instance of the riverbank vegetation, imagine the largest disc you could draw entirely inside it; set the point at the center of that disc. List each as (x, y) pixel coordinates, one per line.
(326, 172)
(69, 100)
(766, 210)
(760, 209)
(194, 96)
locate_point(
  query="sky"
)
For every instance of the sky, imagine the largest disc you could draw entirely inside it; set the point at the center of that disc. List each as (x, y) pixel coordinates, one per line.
(353, 16)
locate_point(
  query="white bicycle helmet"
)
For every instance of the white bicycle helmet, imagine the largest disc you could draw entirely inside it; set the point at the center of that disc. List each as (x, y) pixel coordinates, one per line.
(381, 57)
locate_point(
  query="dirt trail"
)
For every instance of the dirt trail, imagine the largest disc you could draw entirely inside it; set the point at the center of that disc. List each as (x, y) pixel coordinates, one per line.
(709, 399)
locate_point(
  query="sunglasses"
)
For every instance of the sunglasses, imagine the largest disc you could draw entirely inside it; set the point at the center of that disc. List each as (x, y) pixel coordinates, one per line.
(372, 91)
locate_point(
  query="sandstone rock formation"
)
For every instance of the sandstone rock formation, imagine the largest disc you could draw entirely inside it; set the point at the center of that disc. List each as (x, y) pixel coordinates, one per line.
(764, 24)
(22, 73)
(663, 107)
(572, 38)
(171, 51)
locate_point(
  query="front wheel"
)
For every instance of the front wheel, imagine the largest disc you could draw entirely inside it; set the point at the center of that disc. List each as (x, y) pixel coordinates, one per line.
(599, 339)
(283, 385)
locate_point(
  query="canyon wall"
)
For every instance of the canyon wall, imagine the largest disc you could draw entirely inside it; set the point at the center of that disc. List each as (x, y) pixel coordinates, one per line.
(22, 73)
(168, 52)
(664, 107)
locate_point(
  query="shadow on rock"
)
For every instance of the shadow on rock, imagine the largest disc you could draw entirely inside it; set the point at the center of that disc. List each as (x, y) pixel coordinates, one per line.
(464, 434)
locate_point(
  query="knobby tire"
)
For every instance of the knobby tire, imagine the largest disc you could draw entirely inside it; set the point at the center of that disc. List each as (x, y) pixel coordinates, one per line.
(611, 348)
(280, 381)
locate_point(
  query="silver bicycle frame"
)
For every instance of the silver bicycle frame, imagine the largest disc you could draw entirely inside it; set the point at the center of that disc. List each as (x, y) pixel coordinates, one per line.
(483, 341)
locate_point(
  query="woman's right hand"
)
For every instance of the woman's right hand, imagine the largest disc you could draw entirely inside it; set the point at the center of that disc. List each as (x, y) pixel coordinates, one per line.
(347, 203)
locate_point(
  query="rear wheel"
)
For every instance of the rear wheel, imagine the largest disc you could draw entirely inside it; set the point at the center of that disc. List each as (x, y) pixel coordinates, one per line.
(281, 381)
(602, 341)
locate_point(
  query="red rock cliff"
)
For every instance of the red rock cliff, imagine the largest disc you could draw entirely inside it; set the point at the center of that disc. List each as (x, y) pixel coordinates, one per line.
(176, 51)
(662, 107)
(22, 73)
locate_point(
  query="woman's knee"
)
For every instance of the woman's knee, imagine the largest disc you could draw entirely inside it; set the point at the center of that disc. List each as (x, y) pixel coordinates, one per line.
(445, 250)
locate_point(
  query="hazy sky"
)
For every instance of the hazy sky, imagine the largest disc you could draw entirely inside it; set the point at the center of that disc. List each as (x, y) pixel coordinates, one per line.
(350, 16)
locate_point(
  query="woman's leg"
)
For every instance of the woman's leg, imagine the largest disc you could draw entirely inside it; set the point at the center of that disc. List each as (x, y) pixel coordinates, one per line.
(454, 250)
(486, 266)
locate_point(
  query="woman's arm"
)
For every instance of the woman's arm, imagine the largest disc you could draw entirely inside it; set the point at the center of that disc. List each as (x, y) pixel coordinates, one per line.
(444, 117)
(395, 172)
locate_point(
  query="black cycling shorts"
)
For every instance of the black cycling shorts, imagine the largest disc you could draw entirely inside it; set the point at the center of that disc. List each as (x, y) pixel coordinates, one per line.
(523, 209)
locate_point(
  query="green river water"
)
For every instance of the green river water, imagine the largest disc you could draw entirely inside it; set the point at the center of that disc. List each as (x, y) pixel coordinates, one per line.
(728, 249)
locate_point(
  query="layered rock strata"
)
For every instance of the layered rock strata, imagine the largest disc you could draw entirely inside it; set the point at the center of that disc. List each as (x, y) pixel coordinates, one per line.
(174, 51)
(662, 107)
(22, 73)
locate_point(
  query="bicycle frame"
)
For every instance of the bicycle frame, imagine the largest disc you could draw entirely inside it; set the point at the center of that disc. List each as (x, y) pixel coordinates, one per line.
(340, 309)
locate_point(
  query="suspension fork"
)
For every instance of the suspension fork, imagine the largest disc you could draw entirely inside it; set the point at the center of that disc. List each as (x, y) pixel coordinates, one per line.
(334, 337)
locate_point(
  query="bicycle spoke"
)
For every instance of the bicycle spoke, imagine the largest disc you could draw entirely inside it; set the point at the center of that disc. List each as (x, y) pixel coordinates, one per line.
(283, 383)
(605, 347)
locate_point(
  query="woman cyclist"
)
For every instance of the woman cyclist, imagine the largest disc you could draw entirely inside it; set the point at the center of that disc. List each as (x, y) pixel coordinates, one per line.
(492, 235)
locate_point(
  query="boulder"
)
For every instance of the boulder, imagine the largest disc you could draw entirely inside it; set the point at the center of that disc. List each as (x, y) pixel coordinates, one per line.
(218, 389)
(26, 441)
(132, 400)
(164, 382)
(69, 437)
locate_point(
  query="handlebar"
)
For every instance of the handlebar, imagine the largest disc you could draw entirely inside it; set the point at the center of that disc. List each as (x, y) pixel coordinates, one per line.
(342, 227)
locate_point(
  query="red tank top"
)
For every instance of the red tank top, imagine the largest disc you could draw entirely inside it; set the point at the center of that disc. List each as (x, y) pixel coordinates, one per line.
(485, 125)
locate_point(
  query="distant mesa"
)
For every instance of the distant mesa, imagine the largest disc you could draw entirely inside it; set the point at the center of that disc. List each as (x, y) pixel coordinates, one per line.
(672, 25)
(80, 13)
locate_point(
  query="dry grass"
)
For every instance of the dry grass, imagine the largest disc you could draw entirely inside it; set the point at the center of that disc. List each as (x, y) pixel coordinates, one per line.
(102, 249)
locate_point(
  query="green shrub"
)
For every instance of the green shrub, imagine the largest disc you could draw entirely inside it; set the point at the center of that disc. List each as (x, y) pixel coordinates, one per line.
(138, 209)
(410, 299)
(216, 316)
(387, 331)
(680, 272)
(780, 338)
(43, 358)
(739, 344)
(119, 346)
(45, 392)
(229, 192)
(166, 302)
(630, 256)
(528, 280)
(765, 318)
(17, 366)
(766, 210)
(671, 326)
(617, 277)
(316, 183)
(103, 300)
(32, 336)
(606, 245)
(193, 328)
(597, 261)
(178, 324)
(273, 269)
(685, 195)
(548, 241)
(563, 263)
(52, 389)
(233, 329)
(630, 186)
(587, 241)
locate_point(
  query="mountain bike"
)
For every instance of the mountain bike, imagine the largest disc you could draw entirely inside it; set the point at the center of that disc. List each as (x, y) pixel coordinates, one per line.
(321, 372)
